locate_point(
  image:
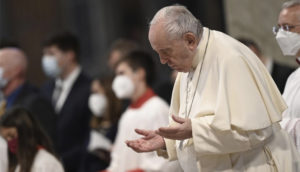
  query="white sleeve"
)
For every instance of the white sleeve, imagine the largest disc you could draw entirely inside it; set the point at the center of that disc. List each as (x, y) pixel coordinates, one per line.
(45, 162)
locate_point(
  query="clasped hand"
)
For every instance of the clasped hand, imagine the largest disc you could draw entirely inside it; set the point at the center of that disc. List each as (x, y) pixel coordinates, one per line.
(154, 140)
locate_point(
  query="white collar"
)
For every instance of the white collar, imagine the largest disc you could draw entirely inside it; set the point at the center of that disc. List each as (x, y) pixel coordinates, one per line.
(69, 80)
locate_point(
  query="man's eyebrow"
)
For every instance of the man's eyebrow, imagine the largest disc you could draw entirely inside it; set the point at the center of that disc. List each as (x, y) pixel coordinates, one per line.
(165, 49)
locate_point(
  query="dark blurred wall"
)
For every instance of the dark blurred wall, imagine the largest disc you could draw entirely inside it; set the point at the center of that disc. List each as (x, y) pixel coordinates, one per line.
(28, 22)
(96, 22)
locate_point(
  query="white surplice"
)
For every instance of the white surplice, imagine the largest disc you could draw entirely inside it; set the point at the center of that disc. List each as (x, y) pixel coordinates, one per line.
(291, 116)
(235, 107)
(291, 95)
(150, 116)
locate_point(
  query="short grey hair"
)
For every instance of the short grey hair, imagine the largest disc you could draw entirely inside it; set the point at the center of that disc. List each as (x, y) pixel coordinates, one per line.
(289, 4)
(178, 20)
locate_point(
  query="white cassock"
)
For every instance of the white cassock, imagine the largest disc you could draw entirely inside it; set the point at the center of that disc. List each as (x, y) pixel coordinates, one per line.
(291, 116)
(150, 116)
(44, 162)
(3, 155)
(292, 126)
(234, 106)
(291, 95)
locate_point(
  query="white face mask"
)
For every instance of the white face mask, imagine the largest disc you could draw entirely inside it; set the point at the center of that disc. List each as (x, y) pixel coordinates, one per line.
(97, 104)
(3, 81)
(50, 66)
(289, 42)
(123, 87)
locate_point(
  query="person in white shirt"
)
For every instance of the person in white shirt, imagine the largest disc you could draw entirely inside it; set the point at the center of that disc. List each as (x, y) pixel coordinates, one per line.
(68, 89)
(135, 74)
(288, 38)
(287, 34)
(30, 150)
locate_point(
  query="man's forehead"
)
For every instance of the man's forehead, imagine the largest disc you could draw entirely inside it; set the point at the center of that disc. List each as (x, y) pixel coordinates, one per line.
(159, 39)
(290, 15)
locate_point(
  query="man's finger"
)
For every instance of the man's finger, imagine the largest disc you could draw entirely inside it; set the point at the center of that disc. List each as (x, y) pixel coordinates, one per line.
(142, 132)
(167, 135)
(178, 119)
(169, 130)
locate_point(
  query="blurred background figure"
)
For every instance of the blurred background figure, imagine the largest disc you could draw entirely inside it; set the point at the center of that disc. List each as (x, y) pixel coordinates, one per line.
(17, 90)
(30, 150)
(3, 155)
(165, 88)
(106, 110)
(119, 49)
(279, 72)
(134, 77)
(69, 91)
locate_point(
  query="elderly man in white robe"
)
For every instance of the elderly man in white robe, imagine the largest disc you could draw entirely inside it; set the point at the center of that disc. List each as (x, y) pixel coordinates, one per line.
(225, 107)
(288, 37)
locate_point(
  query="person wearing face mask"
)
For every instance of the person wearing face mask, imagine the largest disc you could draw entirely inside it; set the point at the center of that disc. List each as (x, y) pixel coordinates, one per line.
(17, 91)
(288, 37)
(106, 110)
(68, 89)
(134, 76)
(30, 150)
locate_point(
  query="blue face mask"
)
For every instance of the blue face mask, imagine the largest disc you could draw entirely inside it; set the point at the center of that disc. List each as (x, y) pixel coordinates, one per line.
(50, 66)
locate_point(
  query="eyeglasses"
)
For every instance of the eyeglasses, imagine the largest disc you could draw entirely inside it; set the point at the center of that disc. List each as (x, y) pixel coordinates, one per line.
(285, 27)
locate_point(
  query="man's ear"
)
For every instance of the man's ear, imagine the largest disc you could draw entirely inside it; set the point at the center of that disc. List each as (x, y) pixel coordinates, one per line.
(17, 72)
(190, 40)
(141, 74)
(71, 55)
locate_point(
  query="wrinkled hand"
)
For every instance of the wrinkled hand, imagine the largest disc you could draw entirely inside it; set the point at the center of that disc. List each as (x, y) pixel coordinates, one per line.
(180, 131)
(150, 142)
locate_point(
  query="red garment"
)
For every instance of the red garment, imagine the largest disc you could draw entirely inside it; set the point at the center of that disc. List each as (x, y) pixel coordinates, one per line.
(136, 170)
(146, 96)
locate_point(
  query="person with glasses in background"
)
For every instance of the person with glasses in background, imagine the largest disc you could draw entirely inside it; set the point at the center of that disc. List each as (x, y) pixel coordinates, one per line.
(287, 34)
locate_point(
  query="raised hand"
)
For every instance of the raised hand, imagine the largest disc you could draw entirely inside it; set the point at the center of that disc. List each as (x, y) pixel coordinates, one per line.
(180, 131)
(150, 142)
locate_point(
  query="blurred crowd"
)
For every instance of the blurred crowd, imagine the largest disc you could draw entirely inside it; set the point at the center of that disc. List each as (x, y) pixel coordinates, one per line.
(76, 123)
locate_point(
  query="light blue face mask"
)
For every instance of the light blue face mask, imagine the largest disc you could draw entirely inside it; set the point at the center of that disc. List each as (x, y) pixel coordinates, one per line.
(3, 81)
(50, 66)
